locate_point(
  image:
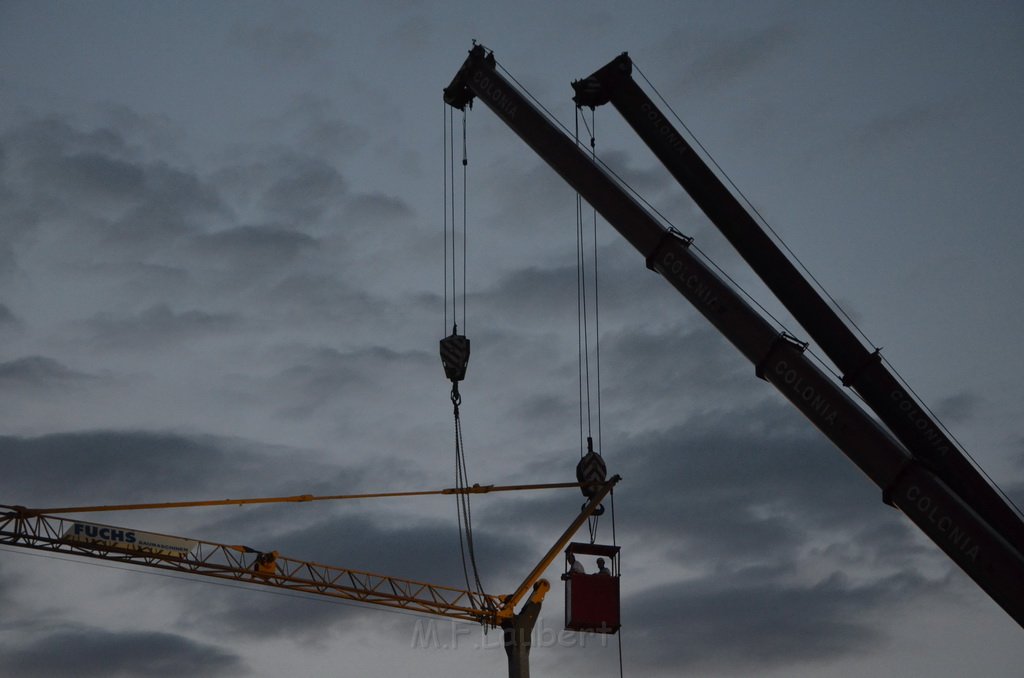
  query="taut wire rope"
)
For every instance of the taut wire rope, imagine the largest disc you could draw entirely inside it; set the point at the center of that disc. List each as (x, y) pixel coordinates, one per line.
(590, 393)
(460, 345)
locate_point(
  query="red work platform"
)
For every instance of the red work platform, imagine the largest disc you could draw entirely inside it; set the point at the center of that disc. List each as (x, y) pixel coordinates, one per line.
(591, 599)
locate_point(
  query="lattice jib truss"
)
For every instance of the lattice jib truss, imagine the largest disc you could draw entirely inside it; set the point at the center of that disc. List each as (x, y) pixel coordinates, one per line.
(243, 564)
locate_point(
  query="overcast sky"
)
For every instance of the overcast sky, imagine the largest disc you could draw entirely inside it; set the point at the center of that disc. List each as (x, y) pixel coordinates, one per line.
(221, 276)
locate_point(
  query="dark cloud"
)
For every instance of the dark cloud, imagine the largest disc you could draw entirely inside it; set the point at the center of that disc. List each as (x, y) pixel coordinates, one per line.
(422, 550)
(170, 187)
(632, 298)
(113, 467)
(647, 179)
(304, 188)
(52, 138)
(745, 624)
(656, 356)
(529, 296)
(752, 482)
(158, 325)
(8, 263)
(961, 407)
(175, 203)
(319, 376)
(103, 467)
(88, 651)
(318, 126)
(256, 612)
(546, 410)
(378, 207)
(139, 279)
(96, 175)
(324, 376)
(530, 219)
(726, 58)
(280, 41)
(99, 185)
(38, 372)
(154, 132)
(9, 582)
(905, 123)
(100, 166)
(249, 248)
(652, 357)
(729, 486)
(293, 189)
(323, 296)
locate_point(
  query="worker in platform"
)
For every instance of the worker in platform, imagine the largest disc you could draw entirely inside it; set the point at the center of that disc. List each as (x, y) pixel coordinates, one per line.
(601, 569)
(575, 566)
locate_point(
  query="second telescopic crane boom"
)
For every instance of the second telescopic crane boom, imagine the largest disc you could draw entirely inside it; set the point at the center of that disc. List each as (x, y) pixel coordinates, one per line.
(862, 369)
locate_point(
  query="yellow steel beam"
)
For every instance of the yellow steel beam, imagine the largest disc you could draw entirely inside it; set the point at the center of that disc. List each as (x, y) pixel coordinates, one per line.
(508, 604)
(475, 489)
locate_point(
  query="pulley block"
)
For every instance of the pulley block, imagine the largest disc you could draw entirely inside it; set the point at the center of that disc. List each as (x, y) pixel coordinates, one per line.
(591, 472)
(455, 356)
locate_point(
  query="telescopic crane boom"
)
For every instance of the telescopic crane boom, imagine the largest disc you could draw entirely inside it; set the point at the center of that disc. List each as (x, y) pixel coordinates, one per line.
(862, 369)
(948, 518)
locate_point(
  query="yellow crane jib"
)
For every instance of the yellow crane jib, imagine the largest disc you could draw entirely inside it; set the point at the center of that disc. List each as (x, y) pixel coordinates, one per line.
(33, 529)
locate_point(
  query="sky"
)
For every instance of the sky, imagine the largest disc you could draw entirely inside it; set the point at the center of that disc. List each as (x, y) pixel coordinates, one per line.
(222, 275)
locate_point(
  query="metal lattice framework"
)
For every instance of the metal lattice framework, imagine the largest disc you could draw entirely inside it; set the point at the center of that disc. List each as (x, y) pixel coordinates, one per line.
(239, 563)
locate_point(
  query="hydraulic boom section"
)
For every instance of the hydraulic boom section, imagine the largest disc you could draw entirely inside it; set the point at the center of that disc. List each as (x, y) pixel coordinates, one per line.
(951, 522)
(862, 369)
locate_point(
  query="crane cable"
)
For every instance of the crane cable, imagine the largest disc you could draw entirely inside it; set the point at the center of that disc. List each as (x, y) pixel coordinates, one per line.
(464, 512)
(449, 219)
(455, 348)
(584, 350)
(594, 455)
(590, 393)
(592, 522)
